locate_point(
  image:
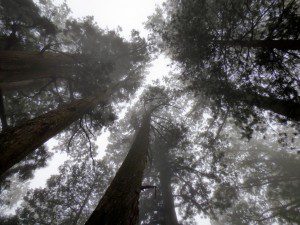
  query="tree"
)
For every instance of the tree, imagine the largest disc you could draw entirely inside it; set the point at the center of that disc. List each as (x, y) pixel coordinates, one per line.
(103, 59)
(2, 112)
(247, 51)
(163, 160)
(23, 27)
(25, 169)
(68, 197)
(264, 172)
(81, 60)
(36, 200)
(109, 68)
(17, 66)
(189, 154)
(119, 205)
(17, 142)
(160, 209)
(122, 196)
(236, 181)
(72, 194)
(22, 24)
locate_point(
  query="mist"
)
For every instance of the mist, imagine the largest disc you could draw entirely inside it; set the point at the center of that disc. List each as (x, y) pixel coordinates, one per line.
(149, 112)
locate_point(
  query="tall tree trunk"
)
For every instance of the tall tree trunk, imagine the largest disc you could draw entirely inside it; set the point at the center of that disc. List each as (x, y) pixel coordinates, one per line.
(18, 66)
(271, 44)
(119, 205)
(289, 109)
(17, 142)
(165, 175)
(2, 111)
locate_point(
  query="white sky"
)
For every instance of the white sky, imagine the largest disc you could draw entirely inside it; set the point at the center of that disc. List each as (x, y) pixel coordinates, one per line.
(129, 14)
(111, 14)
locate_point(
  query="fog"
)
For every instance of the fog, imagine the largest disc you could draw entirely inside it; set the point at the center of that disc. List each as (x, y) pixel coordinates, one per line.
(149, 112)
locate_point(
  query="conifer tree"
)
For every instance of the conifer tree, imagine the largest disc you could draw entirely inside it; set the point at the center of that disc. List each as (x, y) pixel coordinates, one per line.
(237, 54)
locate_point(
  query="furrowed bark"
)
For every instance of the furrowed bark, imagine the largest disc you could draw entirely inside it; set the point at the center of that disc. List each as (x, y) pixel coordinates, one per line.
(271, 44)
(119, 205)
(2, 112)
(165, 181)
(17, 142)
(18, 66)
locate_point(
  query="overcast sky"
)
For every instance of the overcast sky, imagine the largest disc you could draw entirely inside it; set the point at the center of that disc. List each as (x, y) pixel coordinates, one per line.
(111, 14)
(129, 14)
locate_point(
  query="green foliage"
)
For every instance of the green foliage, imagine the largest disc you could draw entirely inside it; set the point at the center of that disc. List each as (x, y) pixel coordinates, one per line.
(99, 58)
(26, 168)
(23, 26)
(229, 65)
(69, 197)
(222, 50)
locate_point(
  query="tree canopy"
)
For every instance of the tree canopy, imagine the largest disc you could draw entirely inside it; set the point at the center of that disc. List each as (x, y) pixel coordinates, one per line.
(240, 55)
(217, 138)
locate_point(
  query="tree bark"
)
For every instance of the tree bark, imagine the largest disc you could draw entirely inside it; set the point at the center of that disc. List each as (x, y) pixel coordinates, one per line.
(271, 44)
(119, 205)
(24, 85)
(165, 175)
(18, 66)
(17, 142)
(289, 109)
(2, 111)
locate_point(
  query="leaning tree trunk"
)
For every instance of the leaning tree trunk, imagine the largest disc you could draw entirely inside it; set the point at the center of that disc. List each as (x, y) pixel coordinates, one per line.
(17, 142)
(35, 84)
(119, 205)
(289, 109)
(18, 66)
(271, 44)
(165, 175)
